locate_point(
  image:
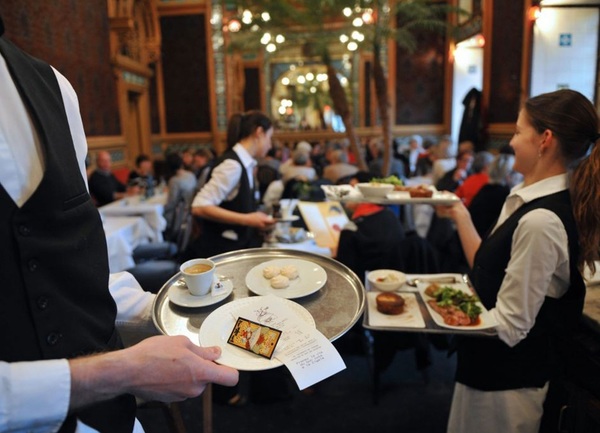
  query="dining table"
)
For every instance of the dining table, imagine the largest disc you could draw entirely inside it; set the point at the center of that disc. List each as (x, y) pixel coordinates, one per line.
(149, 208)
(123, 235)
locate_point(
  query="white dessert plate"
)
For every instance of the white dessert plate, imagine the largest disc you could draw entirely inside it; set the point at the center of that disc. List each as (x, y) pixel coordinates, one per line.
(411, 317)
(217, 327)
(180, 295)
(485, 318)
(311, 277)
(438, 198)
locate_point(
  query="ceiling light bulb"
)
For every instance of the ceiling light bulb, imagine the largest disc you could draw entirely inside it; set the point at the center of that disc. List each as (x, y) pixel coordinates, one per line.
(347, 12)
(271, 48)
(343, 39)
(234, 26)
(246, 17)
(352, 46)
(266, 38)
(265, 16)
(357, 22)
(280, 39)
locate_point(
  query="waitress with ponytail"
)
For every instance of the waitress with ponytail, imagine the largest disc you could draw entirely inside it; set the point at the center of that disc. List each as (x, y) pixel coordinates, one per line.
(527, 271)
(226, 205)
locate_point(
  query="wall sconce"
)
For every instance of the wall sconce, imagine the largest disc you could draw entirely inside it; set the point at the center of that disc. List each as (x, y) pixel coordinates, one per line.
(534, 13)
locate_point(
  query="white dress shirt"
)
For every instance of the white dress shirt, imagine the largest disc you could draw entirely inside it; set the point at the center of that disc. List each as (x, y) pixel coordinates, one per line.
(538, 267)
(34, 396)
(539, 262)
(224, 182)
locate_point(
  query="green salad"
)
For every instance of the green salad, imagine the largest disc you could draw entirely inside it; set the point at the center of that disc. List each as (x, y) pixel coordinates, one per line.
(393, 180)
(446, 296)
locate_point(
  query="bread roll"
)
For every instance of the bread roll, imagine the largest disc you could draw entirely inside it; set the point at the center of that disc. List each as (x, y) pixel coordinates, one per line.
(390, 303)
(271, 271)
(280, 282)
(290, 271)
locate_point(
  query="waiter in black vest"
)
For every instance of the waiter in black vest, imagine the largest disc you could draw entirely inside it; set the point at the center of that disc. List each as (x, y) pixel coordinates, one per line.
(62, 366)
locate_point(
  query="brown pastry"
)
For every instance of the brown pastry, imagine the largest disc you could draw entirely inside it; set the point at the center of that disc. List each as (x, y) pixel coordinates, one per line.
(420, 191)
(390, 303)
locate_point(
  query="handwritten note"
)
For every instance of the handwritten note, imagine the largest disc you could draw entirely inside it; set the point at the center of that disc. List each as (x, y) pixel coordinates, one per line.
(309, 355)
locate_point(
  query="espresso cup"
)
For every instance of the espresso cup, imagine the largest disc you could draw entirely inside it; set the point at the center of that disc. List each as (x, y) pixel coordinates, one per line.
(198, 275)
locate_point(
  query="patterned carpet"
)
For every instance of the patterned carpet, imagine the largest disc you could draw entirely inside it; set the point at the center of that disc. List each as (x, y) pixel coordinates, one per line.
(409, 400)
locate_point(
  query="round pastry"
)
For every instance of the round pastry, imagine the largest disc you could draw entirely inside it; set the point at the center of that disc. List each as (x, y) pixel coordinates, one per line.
(420, 191)
(390, 303)
(271, 271)
(280, 282)
(289, 271)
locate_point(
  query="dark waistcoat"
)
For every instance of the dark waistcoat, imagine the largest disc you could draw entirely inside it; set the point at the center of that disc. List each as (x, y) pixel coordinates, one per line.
(489, 363)
(211, 242)
(55, 301)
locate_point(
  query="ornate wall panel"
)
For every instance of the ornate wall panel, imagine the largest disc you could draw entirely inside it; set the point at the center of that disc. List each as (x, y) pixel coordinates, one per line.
(420, 82)
(505, 70)
(186, 85)
(73, 37)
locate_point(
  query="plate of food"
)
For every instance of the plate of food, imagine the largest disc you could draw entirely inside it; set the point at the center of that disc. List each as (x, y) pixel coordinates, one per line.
(217, 329)
(455, 306)
(425, 194)
(394, 310)
(286, 278)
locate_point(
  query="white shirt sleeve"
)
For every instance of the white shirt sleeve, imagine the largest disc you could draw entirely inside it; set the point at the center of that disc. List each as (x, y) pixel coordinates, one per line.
(134, 305)
(223, 184)
(538, 267)
(34, 396)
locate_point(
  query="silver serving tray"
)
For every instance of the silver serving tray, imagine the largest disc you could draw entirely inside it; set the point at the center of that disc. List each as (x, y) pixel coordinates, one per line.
(335, 307)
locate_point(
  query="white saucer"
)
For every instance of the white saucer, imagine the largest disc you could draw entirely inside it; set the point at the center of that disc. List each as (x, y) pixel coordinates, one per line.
(180, 295)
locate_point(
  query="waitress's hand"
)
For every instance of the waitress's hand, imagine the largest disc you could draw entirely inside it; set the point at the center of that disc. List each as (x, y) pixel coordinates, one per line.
(260, 220)
(455, 212)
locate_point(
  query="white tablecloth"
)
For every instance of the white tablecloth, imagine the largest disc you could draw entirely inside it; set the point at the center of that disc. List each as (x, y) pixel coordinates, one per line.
(150, 209)
(123, 234)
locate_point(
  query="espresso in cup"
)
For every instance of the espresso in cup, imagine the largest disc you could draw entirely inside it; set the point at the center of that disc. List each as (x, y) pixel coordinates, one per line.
(197, 268)
(198, 275)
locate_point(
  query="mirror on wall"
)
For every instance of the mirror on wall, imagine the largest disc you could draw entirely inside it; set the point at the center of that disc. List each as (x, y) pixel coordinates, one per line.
(299, 98)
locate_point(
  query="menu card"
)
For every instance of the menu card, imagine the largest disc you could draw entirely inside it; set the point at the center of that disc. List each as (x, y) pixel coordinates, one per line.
(325, 220)
(309, 355)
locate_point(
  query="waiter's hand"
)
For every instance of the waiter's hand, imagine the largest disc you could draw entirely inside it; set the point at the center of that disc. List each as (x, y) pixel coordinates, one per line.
(159, 368)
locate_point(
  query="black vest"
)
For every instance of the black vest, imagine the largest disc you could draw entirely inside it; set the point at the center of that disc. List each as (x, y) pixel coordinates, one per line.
(55, 301)
(490, 364)
(211, 242)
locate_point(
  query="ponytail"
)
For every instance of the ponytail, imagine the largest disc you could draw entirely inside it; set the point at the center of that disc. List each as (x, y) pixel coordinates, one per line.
(234, 128)
(585, 197)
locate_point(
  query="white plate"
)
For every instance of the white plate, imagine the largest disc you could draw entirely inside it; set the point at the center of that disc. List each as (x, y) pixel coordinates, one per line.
(438, 197)
(180, 295)
(289, 219)
(311, 277)
(485, 318)
(338, 192)
(217, 327)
